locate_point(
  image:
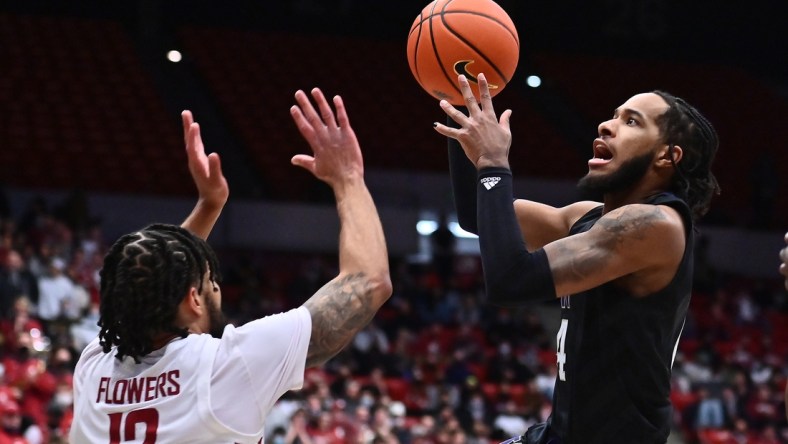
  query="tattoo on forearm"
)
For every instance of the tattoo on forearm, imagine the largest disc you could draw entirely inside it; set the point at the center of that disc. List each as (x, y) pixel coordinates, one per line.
(339, 310)
(631, 224)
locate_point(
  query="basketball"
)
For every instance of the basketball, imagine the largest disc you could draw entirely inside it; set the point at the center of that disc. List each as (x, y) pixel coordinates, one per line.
(452, 37)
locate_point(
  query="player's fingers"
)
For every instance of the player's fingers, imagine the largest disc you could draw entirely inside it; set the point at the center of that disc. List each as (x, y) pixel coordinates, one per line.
(195, 152)
(307, 110)
(467, 94)
(446, 130)
(506, 116)
(342, 117)
(215, 166)
(455, 114)
(195, 139)
(303, 125)
(326, 113)
(191, 150)
(186, 120)
(304, 161)
(484, 94)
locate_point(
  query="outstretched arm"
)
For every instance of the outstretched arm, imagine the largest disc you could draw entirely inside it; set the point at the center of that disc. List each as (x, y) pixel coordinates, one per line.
(348, 302)
(206, 171)
(463, 182)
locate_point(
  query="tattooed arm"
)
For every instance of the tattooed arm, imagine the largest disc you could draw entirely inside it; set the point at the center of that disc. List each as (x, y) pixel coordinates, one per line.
(642, 241)
(348, 302)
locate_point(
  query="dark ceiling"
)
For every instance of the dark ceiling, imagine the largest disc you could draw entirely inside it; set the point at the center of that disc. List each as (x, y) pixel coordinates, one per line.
(748, 34)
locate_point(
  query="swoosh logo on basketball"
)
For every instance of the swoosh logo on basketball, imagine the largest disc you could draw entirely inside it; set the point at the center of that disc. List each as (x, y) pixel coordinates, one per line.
(461, 67)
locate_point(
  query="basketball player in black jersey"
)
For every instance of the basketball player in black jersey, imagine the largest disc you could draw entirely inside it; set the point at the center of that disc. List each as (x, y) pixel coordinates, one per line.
(622, 267)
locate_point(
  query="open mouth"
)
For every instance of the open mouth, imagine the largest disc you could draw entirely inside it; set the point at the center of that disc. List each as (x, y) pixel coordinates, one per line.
(601, 151)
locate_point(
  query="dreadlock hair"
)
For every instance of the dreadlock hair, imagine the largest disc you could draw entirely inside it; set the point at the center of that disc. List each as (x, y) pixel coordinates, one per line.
(685, 126)
(145, 277)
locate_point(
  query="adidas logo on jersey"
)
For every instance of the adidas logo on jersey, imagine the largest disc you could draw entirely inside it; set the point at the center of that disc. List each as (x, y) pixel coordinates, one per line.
(490, 182)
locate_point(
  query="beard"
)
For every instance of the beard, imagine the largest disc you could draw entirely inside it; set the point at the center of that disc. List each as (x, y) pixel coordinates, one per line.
(216, 318)
(627, 175)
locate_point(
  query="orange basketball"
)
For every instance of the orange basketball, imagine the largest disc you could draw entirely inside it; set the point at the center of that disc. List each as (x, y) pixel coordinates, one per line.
(452, 37)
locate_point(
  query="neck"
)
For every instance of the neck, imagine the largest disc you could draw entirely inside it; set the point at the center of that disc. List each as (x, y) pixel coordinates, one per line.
(163, 339)
(634, 195)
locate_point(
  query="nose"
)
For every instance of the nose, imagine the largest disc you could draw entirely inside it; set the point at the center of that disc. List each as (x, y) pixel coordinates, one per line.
(605, 128)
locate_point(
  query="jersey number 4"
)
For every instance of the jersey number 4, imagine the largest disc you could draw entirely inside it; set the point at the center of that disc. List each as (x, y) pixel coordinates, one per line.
(149, 418)
(561, 348)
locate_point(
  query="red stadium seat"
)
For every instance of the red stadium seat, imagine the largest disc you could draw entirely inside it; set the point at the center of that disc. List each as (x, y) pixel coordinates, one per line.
(397, 388)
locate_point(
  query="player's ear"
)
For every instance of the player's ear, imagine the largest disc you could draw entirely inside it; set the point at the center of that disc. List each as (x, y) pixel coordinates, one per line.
(193, 302)
(668, 155)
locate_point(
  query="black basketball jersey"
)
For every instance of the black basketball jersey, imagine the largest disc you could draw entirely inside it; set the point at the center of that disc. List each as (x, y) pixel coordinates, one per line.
(615, 353)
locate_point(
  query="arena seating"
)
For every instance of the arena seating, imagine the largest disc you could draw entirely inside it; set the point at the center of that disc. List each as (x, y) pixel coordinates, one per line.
(81, 111)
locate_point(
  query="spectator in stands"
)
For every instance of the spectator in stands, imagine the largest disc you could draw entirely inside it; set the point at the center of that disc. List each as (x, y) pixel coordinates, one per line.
(86, 329)
(509, 421)
(15, 281)
(363, 418)
(399, 427)
(84, 272)
(382, 426)
(370, 346)
(56, 292)
(325, 429)
(297, 432)
(710, 412)
(762, 407)
(506, 367)
(424, 429)
(768, 436)
(21, 320)
(11, 427)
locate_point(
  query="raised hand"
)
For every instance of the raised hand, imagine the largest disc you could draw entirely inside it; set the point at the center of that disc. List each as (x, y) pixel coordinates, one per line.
(484, 138)
(336, 153)
(206, 170)
(348, 302)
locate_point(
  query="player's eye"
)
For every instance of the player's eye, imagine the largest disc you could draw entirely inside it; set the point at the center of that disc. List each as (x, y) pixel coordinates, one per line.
(631, 121)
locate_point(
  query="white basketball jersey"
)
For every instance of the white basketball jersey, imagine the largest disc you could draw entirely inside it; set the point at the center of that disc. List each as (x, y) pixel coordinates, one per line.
(166, 398)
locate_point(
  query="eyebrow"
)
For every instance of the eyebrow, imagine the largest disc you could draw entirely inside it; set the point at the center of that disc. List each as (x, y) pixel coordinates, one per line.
(629, 111)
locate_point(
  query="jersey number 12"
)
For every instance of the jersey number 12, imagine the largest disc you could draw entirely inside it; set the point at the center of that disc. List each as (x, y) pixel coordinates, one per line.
(148, 417)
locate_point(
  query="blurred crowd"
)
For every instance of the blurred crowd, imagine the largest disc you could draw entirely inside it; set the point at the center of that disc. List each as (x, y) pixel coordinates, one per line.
(437, 365)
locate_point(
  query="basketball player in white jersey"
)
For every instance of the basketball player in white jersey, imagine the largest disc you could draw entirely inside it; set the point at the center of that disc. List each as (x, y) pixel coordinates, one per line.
(165, 367)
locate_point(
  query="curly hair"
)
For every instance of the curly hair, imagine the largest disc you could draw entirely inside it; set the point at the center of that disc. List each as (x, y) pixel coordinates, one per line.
(145, 277)
(685, 126)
